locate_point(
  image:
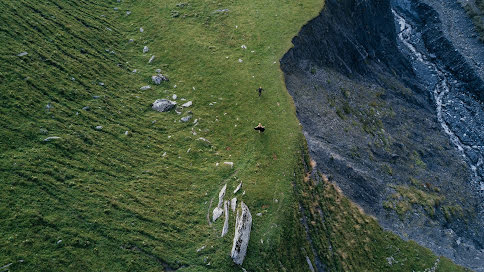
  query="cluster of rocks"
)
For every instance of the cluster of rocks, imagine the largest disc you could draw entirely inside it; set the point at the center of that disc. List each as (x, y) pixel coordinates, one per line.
(243, 223)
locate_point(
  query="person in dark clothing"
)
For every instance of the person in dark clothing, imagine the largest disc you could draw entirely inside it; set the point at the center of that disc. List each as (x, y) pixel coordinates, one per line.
(260, 128)
(260, 90)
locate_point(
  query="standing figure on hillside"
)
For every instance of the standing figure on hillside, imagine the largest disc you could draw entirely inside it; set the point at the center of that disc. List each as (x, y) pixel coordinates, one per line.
(260, 90)
(260, 128)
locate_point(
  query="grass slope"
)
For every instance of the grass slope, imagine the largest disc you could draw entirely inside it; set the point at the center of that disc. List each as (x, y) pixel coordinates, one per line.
(101, 200)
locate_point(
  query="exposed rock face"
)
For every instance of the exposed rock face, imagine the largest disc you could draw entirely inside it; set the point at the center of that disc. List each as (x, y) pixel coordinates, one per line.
(163, 105)
(243, 225)
(225, 229)
(217, 212)
(233, 204)
(376, 116)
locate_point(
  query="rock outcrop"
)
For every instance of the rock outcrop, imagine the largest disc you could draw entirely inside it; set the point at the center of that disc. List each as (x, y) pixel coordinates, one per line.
(163, 105)
(217, 212)
(225, 229)
(243, 225)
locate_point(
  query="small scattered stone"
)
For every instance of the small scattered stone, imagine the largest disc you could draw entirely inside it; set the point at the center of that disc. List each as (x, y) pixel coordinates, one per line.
(238, 188)
(116, 8)
(240, 60)
(243, 46)
(158, 71)
(128, 12)
(101, 83)
(146, 49)
(231, 164)
(163, 105)
(144, 88)
(259, 214)
(99, 127)
(22, 54)
(126, 133)
(58, 242)
(174, 96)
(200, 249)
(188, 104)
(86, 108)
(151, 59)
(158, 79)
(48, 139)
(135, 71)
(141, 30)
(131, 40)
(186, 118)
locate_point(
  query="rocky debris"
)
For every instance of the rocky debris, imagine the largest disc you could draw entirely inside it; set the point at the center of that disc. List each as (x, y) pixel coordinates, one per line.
(200, 249)
(144, 88)
(186, 118)
(174, 97)
(204, 140)
(151, 59)
(233, 204)
(98, 128)
(243, 46)
(243, 225)
(158, 79)
(240, 60)
(134, 71)
(141, 30)
(48, 139)
(238, 188)
(188, 104)
(86, 108)
(259, 214)
(22, 54)
(146, 49)
(163, 105)
(126, 133)
(225, 229)
(128, 12)
(231, 164)
(131, 40)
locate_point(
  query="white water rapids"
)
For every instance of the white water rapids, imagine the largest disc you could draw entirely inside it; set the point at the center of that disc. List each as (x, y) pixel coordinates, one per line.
(441, 90)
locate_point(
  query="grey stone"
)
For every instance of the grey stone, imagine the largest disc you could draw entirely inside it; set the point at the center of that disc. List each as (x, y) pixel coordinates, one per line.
(174, 97)
(48, 139)
(98, 127)
(151, 59)
(22, 54)
(233, 204)
(146, 49)
(243, 225)
(158, 71)
(217, 212)
(158, 79)
(186, 118)
(163, 105)
(238, 188)
(128, 12)
(188, 104)
(141, 30)
(85, 108)
(225, 229)
(144, 88)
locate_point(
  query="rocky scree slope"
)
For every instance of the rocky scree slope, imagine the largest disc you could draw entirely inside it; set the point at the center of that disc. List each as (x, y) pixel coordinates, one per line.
(369, 111)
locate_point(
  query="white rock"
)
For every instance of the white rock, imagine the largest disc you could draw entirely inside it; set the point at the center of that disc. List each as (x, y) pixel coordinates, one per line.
(233, 204)
(221, 196)
(217, 212)
(174, 97)
(22, 54)
(163, 105)
(158, 79)
(151, 59)
(141, 29)
(188, 104)
(229, 163)
(240, 60)
(243, 225)
(99, 127)
(48, 139)
(243, 46)
(238, 188)
(146, 49)
(144, 88)
(226, 221)
(259, 214)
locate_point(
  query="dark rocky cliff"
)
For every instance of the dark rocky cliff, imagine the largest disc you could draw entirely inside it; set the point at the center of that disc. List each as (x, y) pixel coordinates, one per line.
(376, 104)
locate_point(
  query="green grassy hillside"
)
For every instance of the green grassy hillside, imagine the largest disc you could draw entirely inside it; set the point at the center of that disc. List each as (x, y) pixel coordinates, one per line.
(134, 194)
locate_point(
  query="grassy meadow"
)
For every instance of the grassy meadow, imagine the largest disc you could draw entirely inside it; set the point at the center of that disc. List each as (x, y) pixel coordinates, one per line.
(134, 195)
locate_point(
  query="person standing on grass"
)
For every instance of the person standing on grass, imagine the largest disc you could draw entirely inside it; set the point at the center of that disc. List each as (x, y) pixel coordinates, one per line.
(260, 128)
(260, 90)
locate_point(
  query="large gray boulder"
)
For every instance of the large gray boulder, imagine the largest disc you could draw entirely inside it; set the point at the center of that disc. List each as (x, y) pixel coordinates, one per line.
(243, 224)
(158, 79)
(163, 105)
